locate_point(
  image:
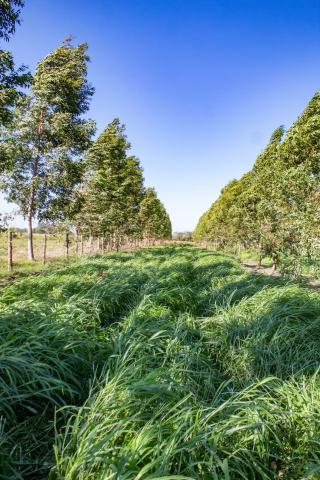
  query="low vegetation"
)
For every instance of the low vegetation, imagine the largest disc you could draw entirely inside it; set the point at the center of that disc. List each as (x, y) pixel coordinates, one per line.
(166, 362)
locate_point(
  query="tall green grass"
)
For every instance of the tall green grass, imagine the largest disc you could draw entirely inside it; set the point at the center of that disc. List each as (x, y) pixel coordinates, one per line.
(168, 362)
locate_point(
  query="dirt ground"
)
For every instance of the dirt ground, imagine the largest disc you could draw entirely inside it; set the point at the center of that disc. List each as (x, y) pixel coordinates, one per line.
(252, 267)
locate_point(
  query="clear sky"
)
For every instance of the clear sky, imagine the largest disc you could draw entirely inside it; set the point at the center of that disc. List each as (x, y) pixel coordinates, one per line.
(200, 84)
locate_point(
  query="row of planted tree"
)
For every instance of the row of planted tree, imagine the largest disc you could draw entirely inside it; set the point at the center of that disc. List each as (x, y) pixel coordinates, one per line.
(274, 208)
(62, 244)
(51, 167)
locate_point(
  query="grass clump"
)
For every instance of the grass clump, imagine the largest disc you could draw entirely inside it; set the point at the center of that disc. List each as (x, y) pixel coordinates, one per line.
(172, 364)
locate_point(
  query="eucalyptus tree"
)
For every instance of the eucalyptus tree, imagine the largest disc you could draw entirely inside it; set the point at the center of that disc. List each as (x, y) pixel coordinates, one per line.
(267, 175)
(277, 203)
(41, 150)
(216, 223)
(249, 210)
(103, 205)
(165, 230)
(133, 191)
(300, 185)
(11, 79)
(114, 186)
(154, 219)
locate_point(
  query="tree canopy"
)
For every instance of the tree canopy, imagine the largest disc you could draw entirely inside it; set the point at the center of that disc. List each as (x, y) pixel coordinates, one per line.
(12, 80)
(56, 173)
(9, 16)
(41, 148)
(274, 207)
(114, 201)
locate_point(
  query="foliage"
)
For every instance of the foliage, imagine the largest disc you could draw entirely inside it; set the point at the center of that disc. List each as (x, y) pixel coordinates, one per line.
(11, 80)
(50, 167)
(5, 219)
(113, 201)
(41, 149)
(114, 187)
(155, 222)
(275, 207)
(9, 17)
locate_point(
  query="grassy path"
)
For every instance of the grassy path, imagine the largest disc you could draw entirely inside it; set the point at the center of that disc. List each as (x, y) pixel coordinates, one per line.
(167, 362)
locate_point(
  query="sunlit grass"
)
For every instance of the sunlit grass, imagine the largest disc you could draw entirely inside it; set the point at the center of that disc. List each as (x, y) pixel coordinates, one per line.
(168, 362)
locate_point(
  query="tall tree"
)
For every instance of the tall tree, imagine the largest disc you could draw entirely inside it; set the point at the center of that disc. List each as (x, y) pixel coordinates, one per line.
(133, 191)
(114, 187)
(11, 79)
(300, 184)
(103, 192)
(265, 188)
(41, 150)
(276, 204)
(216, 223)
(248, 210)
(155, 221)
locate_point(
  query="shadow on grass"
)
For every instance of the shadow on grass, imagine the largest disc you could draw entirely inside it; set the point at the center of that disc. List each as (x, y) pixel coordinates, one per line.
(267, 329)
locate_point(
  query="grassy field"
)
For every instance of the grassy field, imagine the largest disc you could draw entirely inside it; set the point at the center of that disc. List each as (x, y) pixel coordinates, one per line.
(55, 254)
(163, 363)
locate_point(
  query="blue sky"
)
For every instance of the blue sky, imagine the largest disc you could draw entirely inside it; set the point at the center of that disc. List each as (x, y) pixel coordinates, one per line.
(200, 84)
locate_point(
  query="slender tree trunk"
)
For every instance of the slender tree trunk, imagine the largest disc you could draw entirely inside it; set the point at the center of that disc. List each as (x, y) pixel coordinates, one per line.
(76, 240)
(45, 249)
(29, 219)
(90, 240)
(81, 245)
(274, 262)
(10, 262)
(32, 192)
(259, 257)
(67, 246)
(30, 235)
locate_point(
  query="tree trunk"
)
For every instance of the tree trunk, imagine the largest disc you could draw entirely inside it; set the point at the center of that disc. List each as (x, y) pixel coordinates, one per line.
(90, 240)
(10, 262)
(76, 240)
(32, 191)
(81, 244)
(259, 257)
(45, 249)
(30, 235)
(67, 245)
(274, 262)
